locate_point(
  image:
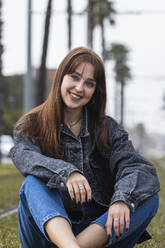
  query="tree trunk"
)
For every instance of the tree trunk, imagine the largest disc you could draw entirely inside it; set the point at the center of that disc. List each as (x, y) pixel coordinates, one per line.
(117, 102)
(69, 12)
(41, 85)
(90, 24)
(122, 104)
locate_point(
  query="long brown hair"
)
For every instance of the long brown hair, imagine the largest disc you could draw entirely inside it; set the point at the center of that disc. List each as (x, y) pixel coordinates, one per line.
(44, 122)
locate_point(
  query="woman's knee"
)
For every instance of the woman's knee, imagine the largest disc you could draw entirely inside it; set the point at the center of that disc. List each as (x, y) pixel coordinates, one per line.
(31, 180)
(33, 184)
(144, 213)
(155, 201)
(29, 184)
(35, 190)
(152, 204)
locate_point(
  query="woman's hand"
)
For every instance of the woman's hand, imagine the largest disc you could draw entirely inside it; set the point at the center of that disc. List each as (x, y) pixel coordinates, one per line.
(118, 217)
(78, 187)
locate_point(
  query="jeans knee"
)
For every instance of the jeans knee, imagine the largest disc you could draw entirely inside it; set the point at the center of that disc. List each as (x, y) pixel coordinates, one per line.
(154, 203)
(150, 206)
(29, 183)
(31, 179)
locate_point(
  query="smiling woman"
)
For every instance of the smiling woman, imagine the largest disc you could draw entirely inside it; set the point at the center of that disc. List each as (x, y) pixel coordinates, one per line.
(77, 90)
(85, 185)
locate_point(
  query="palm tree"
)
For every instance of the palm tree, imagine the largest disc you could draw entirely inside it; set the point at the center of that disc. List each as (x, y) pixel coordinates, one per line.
(69, 22)
(41, 87)
(119, 53)
(98, 12)
(2, 82)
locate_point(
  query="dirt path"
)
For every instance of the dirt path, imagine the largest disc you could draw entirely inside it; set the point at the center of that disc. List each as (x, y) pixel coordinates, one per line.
(8, 212)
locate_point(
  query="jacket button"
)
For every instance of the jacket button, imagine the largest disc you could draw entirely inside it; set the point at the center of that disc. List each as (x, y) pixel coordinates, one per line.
(61, 184)
(132, 205)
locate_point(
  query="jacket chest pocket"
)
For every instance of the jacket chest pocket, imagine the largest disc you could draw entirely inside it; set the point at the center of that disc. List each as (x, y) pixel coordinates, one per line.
(72, 153)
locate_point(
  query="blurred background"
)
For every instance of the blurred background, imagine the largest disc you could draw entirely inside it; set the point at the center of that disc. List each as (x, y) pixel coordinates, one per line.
(35, 35)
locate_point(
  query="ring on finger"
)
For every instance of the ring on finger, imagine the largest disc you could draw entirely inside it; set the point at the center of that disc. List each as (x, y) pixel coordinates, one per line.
(81, 187)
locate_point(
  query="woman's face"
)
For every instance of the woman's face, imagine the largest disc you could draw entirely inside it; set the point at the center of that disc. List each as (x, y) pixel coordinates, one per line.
(78, 87)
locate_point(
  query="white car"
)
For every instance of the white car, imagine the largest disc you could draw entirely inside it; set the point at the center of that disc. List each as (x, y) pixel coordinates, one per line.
(6, 143)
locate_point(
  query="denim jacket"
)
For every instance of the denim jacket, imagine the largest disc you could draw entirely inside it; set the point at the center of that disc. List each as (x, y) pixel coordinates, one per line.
(114, 173)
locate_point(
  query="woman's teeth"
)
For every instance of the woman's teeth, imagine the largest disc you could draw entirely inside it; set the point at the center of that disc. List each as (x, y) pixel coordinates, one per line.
(75, 96)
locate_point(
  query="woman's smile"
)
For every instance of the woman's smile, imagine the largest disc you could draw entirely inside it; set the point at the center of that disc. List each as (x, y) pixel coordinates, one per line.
(75, 96)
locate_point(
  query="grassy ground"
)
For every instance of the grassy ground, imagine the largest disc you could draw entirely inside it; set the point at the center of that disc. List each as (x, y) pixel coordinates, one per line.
(9, 225)
(10, 181)
(157, 226)
(9, 232)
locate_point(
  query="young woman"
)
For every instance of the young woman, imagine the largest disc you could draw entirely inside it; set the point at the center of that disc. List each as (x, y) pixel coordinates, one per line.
(85, 184)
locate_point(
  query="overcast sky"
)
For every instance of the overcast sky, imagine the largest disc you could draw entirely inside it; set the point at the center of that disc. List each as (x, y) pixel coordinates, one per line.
(143, 34)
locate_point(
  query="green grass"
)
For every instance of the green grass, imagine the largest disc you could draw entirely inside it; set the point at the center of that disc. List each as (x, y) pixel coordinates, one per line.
(157, 225)
(10, 182)
(9, 225)
(9, 232)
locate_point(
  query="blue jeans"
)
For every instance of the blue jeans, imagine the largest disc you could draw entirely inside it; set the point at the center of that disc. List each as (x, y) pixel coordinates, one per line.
(38, 204)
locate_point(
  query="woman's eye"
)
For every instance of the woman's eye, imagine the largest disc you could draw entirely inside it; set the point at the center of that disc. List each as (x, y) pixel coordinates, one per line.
(75, 77)
(90, 84)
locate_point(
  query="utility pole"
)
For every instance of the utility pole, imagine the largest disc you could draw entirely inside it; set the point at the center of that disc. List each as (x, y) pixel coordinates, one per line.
(90, 24)
(41, 84)
(28, 88)
(69, 22)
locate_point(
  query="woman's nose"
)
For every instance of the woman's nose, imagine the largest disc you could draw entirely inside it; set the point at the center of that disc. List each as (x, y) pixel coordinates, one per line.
(79, 85)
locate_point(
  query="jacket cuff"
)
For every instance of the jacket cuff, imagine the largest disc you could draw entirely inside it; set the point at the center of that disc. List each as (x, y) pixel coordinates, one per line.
(120, 196)
(59, 180)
